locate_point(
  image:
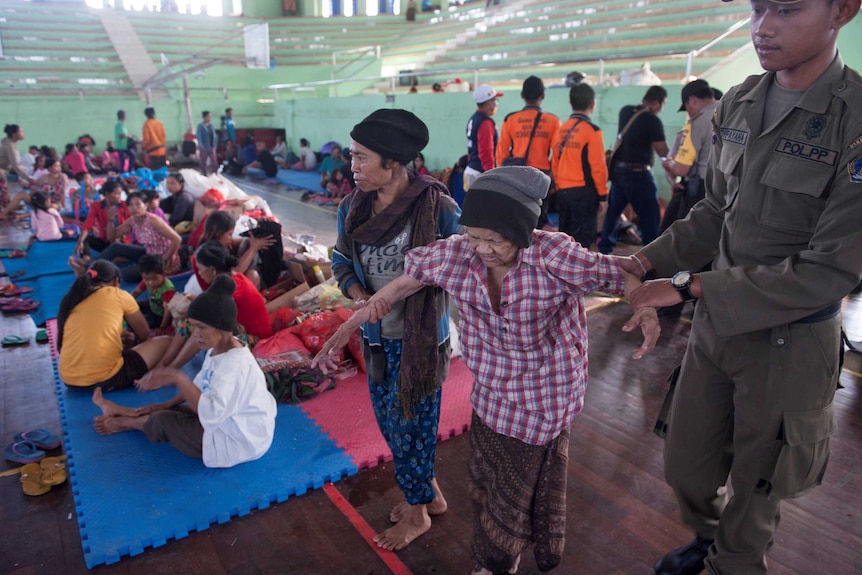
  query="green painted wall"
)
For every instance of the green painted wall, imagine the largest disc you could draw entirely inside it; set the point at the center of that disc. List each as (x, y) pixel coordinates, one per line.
(446, 116)
(57, 124)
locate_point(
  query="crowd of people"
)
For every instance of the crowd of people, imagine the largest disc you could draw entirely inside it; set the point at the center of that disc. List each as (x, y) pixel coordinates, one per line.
(760, 233)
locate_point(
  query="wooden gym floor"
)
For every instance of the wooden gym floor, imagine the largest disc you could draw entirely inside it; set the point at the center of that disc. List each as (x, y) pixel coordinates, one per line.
(622, 516)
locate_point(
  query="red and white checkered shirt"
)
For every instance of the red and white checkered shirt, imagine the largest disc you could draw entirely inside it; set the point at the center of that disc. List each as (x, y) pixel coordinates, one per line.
(530, 361)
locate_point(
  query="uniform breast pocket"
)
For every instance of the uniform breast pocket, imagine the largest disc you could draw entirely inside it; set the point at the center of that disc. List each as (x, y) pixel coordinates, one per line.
(729, 166)
(793, 194)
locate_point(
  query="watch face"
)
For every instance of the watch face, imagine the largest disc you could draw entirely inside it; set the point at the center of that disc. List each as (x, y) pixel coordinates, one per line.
(681, 279)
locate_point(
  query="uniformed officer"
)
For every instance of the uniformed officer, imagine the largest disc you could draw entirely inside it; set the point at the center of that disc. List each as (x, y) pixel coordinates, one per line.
(780, 226)
(689, 155)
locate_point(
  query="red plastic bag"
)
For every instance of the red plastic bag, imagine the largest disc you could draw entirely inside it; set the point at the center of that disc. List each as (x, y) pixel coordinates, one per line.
(212, 198)
(283, 317)
(315, 330)
(284, 344)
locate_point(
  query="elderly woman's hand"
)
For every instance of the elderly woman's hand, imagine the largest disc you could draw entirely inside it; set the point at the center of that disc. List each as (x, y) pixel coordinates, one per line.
(325, 358)
(156, 379)
(371, 311)
(647, 319)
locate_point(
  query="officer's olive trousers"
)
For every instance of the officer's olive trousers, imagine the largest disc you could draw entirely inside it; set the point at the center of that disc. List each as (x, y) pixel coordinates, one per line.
(756, 407)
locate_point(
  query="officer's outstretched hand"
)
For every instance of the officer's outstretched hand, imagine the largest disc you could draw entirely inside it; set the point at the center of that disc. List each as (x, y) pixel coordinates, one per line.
(647, 319)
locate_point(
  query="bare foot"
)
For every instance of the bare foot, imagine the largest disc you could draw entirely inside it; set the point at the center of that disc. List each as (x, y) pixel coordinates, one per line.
(108, 425)
(111, 409)
(438, 505)
(415, 523)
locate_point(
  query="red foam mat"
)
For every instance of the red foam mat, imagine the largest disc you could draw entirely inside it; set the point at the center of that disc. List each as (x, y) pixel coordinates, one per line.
(345, 414)
(51, 328)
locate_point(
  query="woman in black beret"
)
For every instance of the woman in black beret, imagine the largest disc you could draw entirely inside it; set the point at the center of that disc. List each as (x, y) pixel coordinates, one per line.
(392, 210)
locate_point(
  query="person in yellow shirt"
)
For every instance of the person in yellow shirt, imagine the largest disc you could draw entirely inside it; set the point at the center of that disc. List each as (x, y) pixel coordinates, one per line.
(579, 168)
(90, 333)
(154, 140)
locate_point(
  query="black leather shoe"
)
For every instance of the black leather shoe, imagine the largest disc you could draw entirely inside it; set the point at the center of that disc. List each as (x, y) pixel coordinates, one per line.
(687, 560)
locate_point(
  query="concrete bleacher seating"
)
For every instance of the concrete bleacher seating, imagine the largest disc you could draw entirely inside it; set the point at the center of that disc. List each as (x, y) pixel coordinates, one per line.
(536, 34)
(64, 48)
(57, 49)
(293, 41)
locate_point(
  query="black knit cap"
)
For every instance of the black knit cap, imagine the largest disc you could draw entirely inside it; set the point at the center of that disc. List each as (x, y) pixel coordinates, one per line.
(215, 307)
(507, 200)
(396, 134)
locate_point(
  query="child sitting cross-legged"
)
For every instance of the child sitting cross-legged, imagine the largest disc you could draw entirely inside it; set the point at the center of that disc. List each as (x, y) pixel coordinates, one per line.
(160, 290)
(225, 416)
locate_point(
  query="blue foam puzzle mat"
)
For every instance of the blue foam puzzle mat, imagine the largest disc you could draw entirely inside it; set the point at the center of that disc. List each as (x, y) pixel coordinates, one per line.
(48, 290)
(43, 258)
(131, 494)
(303, 180)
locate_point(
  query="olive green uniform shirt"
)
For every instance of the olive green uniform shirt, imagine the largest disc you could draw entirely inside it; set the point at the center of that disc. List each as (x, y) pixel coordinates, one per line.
(782, 218)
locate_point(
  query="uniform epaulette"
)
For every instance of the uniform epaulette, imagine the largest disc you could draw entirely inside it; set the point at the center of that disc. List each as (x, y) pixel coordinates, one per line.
(742, 88)
(851, 94)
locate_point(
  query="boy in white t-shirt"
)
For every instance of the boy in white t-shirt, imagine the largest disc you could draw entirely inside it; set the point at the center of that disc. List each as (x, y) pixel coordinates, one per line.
(226, 416)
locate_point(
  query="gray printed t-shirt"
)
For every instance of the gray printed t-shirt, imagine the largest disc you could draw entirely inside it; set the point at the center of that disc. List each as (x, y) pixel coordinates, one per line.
(381, 265)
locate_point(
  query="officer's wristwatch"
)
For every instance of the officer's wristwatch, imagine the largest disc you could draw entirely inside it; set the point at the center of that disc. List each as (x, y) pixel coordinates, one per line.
(681, 281)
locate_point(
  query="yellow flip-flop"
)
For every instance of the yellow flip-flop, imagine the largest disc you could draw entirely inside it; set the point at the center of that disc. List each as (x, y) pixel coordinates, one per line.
(31, 482)
(53, 471)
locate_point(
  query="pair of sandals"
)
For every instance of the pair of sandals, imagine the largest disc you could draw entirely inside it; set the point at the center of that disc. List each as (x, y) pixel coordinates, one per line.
(18, 305)
(39, 478)
(15, 340)
(39, 473)
(12, 290)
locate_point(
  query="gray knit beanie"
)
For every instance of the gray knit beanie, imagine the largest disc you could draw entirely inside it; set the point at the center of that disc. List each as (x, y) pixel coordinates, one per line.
(507, 200)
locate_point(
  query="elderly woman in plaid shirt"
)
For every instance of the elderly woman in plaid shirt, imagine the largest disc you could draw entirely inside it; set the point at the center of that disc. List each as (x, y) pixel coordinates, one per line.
(523, 325)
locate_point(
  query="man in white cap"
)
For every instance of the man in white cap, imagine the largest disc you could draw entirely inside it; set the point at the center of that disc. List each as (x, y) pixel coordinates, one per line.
(481, 134)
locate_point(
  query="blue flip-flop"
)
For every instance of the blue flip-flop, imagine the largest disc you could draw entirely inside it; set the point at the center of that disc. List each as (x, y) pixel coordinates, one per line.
(23, 452)
(41, 438)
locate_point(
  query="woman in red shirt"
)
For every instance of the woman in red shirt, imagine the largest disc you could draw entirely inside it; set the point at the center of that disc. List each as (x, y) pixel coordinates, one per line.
(212, 260)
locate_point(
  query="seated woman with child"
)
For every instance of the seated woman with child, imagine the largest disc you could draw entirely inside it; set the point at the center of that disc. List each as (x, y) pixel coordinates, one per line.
(91, 337)
(152, 234)
(53, 184)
